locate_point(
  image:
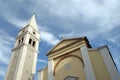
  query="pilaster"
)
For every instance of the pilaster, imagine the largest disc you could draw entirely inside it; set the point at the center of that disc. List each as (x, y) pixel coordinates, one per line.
(89, 72)
(50, 70)
(40, 77)
(109, 64)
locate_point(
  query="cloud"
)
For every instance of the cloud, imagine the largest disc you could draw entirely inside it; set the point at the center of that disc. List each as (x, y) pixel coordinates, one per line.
(11, 12)
(6, 43)
(49, 38)
(3, 59)
(97, 19)
(70, 15)
(75, 18)
(42, 61)
(118, 64)
(17, 22)
(5, 47)
(2, 72)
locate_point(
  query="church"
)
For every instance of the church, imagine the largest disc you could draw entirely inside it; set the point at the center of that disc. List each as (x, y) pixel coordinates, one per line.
(70, 59)
(75, 59)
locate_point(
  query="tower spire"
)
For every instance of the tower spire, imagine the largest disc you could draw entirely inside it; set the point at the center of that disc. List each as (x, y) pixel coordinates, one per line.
(32, 22)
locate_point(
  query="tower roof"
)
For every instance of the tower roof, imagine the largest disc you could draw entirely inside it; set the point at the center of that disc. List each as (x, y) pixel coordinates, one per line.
(32, 22)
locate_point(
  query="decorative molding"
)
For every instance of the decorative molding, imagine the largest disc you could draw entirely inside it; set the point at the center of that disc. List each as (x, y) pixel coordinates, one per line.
(67, 56)
(64, 46)
(77, 40)
(67, 50)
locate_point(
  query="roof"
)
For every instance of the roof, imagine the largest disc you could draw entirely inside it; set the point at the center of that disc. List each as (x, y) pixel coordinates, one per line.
(43, 68)
(32, 22)
(66, 42)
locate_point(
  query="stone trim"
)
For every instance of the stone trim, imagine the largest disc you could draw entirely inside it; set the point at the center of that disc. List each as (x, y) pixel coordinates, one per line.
(67, 56)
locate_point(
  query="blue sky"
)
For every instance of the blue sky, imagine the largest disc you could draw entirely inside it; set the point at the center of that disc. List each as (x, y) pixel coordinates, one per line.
(99, 20)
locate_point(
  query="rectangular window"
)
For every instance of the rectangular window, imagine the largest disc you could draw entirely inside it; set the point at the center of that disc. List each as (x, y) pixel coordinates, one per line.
(30, 41)
(22, 39)
(19, 41)
(33, 44)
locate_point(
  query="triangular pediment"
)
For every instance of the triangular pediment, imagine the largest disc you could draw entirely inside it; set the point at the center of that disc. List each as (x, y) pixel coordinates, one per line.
(65, 42)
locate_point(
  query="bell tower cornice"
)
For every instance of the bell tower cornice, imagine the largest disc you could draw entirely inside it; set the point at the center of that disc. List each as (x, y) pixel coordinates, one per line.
(28, 33)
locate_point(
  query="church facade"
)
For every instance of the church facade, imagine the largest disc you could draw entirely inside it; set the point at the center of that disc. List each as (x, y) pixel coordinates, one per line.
(75, 59)
(22, 65)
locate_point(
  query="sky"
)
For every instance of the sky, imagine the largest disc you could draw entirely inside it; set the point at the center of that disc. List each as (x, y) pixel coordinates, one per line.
(98, 20)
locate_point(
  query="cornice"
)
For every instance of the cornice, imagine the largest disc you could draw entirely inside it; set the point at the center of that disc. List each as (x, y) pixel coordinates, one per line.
(28, 46)
(67, 50)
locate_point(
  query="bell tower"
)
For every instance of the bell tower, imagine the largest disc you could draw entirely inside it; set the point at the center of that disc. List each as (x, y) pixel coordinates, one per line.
(22, 65)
